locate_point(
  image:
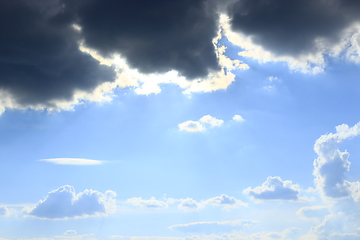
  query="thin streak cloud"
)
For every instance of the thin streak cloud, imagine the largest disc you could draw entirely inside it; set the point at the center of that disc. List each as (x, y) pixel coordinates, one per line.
(72, 161)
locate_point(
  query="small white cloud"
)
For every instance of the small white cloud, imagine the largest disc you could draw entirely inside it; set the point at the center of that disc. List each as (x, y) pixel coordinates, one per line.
(238, 118)
(72, 161)
(197, 126)
(150, 203)
(191, 126)
(64, 203)
(214, 122)
(274, 189)
(189, 205)
(226, 202)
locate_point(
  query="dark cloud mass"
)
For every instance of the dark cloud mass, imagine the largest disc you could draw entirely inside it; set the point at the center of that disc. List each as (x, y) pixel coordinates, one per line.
(153, 35)
(39, 57)
(290, 27)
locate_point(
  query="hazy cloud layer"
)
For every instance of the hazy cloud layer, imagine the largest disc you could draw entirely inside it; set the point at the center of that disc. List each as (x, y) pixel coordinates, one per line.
(274, 189)
(332, 164)
(4, 211)
(212, 227)
(65, 203)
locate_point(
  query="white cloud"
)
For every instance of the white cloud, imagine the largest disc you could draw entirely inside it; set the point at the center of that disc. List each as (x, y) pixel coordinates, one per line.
(197, 126)
(189, 205)
(64, 203)
(226, 202)
(212, 227)
(212, 121)
(332, 164)
(150, 203)
(191, 126)
(274, 189)
(313, 212)
(4, 211)
(72, 161)
(238, 118)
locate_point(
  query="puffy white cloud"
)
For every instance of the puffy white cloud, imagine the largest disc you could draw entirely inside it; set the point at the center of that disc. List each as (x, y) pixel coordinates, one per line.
(274, 189)
(72, 161)
(191, 126)
(150, 203)
(332, 164)
(212, 121)
(189, 205)
(225, 201)
(238, 118)
(197, 126)
(212, 227)
(64, 203)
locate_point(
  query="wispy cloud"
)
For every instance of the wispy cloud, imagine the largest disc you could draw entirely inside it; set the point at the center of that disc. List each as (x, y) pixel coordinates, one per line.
(72, 161)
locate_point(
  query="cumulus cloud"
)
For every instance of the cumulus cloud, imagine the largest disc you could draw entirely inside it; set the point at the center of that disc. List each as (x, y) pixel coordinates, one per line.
(64, 203)
(54, 54)
(213, 122)
(72, 161)
(274, 189)
(298, 32)
(238, 118)
(189, 205)
(191, 126)
(225, 201)
(212, 227)
(41, 65)
(332, 164)
(198, 126)
(149, 203)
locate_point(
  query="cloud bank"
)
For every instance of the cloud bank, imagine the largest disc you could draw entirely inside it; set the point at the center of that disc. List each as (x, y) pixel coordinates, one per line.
(64, 203)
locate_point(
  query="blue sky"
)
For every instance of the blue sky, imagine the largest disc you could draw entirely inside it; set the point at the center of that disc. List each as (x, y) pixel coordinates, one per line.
(226, 131)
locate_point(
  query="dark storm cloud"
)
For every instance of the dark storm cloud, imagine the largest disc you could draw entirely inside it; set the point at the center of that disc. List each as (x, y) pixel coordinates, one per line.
(289, 27)
(39, 57)
(153, 35)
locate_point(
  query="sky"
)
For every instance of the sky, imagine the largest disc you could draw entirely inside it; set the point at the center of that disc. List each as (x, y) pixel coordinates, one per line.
(179, 120)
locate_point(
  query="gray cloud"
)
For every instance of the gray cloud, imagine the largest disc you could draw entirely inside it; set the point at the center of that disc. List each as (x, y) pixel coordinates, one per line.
(65, 203)
(40, 62)
(154, 36)
(274, 189)
(291, 28)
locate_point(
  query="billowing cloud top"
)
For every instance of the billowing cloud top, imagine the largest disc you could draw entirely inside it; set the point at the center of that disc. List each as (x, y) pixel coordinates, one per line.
(274, 189)
(64, 203)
